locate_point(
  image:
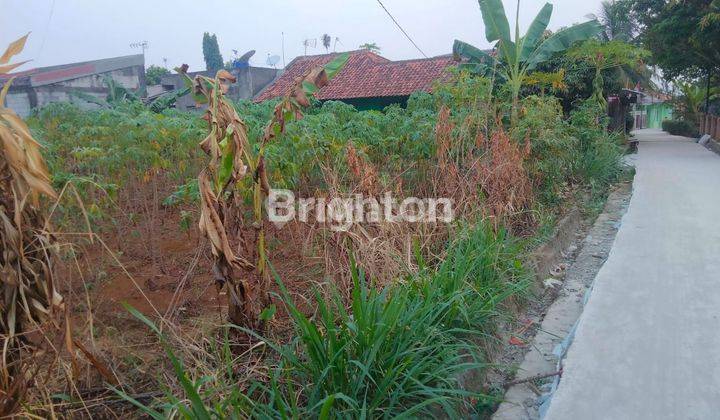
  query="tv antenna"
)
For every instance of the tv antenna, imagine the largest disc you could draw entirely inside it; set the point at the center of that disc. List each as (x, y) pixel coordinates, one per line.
(142, 45)
(337, 40)
(310, 42)
(272, 60)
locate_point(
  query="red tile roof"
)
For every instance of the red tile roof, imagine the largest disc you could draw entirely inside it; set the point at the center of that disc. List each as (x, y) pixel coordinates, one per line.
(366, 75)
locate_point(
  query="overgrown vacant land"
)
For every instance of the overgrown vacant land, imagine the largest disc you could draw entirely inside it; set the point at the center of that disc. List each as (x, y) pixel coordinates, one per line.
(382, 317)
(245, 318)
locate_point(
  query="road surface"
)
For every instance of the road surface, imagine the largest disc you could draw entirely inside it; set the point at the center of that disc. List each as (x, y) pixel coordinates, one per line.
(648, 342)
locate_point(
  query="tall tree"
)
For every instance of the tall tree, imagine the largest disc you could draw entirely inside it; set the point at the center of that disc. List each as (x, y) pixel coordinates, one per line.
(683, 36)
(326, 41)
(211, 52)
(616, 17)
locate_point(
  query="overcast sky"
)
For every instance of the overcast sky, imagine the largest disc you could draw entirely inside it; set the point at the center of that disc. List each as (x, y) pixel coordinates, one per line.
(65, 31)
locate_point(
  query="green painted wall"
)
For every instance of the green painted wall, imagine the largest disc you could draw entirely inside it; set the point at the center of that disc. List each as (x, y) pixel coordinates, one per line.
(657, 113)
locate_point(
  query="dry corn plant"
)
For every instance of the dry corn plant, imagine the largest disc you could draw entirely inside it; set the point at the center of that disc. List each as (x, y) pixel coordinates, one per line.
(29, 302)
(238, 247)
(33, 314)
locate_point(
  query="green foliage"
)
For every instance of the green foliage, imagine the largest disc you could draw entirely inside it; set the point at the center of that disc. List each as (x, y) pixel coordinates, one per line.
(618, 22)
(691, 102)
(554, 151)
(167, 100)
(683, 36)
(197, 391)
(211, 52)
(117, 94)
(109, 154)
(153, 74)
(608, 55)
(517, 58)
(600, 152)
(680, 128)
(115, 149)
(370, 46)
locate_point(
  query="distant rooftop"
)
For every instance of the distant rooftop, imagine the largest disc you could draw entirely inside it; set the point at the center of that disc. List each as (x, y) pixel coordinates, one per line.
(53, 74)
(366, 75)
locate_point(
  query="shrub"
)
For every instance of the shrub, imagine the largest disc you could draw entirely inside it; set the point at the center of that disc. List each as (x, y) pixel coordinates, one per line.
(600, 152)
(680, 128)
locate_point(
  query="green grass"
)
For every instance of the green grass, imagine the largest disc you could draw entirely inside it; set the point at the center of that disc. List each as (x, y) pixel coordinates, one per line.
(398, 351)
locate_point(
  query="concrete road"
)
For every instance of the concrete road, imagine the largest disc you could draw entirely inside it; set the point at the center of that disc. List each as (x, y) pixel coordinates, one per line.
(648, 342)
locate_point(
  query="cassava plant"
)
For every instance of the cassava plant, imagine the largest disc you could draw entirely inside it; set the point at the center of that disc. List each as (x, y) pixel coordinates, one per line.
(234, 166)
(28, 297)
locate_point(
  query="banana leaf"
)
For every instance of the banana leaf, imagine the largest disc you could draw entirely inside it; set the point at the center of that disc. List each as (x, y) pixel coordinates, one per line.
(535, 31)
(562, 40)
(496, 24)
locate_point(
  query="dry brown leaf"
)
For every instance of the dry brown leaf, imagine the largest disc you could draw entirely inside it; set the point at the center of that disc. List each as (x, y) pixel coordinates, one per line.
(14, 48)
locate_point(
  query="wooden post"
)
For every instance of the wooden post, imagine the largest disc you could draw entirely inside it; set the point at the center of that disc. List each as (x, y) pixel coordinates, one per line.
(708, 124)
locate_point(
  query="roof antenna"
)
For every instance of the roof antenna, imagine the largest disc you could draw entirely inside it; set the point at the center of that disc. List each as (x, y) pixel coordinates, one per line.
(143, 45)
(272, 60)
(312, 43)
(283, 47)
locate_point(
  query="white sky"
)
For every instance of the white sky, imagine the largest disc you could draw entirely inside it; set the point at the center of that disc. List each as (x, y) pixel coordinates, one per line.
(81, 30)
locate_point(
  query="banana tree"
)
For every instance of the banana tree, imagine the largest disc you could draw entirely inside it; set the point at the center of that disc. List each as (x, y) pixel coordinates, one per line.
(513, 60)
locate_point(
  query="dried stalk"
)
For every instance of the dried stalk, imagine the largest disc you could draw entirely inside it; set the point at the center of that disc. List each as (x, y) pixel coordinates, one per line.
(240, 258)
(28, 298)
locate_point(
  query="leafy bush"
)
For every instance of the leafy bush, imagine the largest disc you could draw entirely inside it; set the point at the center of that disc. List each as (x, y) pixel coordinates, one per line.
(600, 152)
(554, 151)
(680, 128)
(154, 73)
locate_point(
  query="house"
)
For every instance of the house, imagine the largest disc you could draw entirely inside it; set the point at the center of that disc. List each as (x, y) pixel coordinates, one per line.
(368, 81)
(654, 108)
(38, 87)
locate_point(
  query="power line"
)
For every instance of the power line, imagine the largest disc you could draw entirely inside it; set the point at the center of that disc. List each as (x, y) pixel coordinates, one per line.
(401, 28)
(47, 28)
